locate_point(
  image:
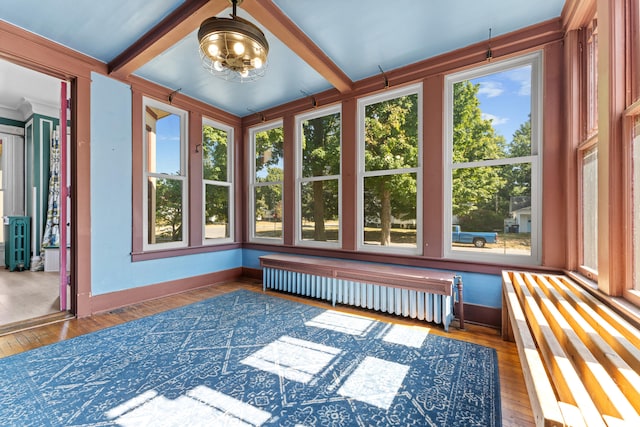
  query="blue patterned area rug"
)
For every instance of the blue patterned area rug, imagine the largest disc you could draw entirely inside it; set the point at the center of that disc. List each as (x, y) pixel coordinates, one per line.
(250, 359)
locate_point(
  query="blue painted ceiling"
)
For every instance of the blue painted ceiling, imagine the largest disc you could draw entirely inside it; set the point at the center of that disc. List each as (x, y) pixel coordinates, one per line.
(358, 36)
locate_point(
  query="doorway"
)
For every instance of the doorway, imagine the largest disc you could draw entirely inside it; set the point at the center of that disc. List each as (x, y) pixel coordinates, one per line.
(33, 175)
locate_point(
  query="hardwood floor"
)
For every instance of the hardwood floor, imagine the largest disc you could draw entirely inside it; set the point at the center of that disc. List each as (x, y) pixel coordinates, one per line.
(516, 410)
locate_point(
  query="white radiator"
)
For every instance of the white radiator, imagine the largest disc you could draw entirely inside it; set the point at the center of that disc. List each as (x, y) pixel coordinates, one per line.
(408, 303)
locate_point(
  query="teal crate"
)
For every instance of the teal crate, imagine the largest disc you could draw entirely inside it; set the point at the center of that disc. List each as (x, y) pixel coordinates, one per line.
(17, 244)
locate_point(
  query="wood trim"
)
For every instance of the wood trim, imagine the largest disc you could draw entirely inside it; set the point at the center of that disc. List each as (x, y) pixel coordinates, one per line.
(247, 159)
(269, 15)
(239, 184)
(349, 174)
(113, 300)
(612, 274)
(433, 166)
(289, 185)
(508, 45)
(137, 154)
(252, 273)
(629, 130)
(577, 13)
(633, 50)
(407, 260)
(81, 197)
(482, 315)
(194, 174)
(191, 250)
(573, 106)
(39, 54)
(554, 226)
(176, 26)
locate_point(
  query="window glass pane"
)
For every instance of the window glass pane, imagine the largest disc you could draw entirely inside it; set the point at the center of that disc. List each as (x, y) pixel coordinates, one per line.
(269, 155)
(321, 146)
(390, 210)
(163, 141)
(491, 209)
(636, 206)
(216, 205)
(214, 153)
(491, 116)
(268, 211)
(590, 209)
(164, 207)
(592, 78)
(319, 208)
(391, 134)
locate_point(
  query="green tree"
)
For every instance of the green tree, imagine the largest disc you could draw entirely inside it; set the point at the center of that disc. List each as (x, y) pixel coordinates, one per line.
(517, 177)
(269, 151)
(269, 197)
(268, 168)
(168, 208)
(320, 157)
(474, 139)
(215, 168)
(391, 142)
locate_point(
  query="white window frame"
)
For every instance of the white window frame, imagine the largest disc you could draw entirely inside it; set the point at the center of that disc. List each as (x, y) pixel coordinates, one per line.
(414, 89)
(228, 184)
(253, 184)
(300, 179)
(183, 177)
(535, 60)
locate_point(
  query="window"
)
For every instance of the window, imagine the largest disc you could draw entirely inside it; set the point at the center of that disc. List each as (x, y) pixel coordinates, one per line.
(266, 185)
(165, 176)
(318, 178)
(589, 208)
(217, 183)
(588, 157)
(492, 162)
(592, 77)
(389, 201)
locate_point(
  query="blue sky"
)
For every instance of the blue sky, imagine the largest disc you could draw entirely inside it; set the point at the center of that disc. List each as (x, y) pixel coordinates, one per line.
(505, 97)
(168, 144)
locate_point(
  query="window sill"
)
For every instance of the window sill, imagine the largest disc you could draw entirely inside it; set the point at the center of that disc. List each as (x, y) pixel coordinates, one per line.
(191, 250)
(625, 308)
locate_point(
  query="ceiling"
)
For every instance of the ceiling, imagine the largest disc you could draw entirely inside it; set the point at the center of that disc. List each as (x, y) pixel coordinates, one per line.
(315, 45)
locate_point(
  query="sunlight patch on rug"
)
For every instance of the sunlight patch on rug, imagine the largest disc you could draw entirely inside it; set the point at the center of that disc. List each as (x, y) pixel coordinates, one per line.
(199, 407)
(406, 335)
(342, 322)
(293, 359)
(375, 381)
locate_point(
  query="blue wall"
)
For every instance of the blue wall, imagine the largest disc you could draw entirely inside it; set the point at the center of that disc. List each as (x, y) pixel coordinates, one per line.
(111, 193)
(479, 289)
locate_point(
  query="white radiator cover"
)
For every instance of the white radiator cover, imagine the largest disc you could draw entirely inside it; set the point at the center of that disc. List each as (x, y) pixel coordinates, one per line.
(404, 302)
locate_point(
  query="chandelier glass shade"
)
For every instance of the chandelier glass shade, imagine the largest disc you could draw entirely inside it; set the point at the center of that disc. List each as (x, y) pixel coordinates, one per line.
(233, 48)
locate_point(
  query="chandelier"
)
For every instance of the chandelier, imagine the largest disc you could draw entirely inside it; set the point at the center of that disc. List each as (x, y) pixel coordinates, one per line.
(233, 48)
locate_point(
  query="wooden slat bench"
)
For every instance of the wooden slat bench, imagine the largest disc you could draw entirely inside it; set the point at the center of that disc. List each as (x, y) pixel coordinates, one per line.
(580, 360)
(414, 292)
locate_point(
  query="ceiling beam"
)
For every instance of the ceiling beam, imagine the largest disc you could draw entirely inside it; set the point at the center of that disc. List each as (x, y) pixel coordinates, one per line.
(176, 26)
(273, 19)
